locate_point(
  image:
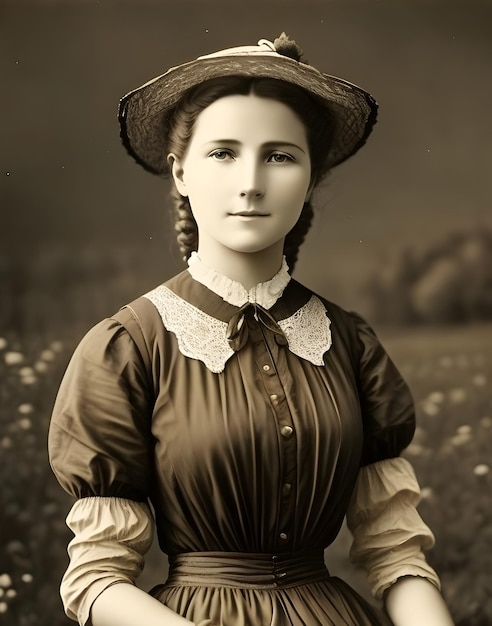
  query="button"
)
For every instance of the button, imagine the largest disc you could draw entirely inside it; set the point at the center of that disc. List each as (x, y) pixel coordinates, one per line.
(286, 431)
(273, 397)
(266, 368)
(284, 536)
(286, 489)
(282, 575)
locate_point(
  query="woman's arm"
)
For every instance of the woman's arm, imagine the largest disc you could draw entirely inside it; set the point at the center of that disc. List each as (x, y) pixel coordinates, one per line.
(413, 601)
(123, 604)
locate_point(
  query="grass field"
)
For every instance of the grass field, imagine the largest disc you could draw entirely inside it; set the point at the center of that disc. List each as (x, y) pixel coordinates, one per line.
(450, 373)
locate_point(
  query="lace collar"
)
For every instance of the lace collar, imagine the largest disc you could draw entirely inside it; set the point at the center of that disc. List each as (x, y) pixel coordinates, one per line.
(199, 318)
(265, 294)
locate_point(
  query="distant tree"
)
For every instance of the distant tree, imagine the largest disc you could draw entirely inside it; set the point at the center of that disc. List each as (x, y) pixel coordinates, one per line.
(451, 282)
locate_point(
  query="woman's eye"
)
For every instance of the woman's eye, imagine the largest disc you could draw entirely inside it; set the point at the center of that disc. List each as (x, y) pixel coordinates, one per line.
(280, 157)
(220, 155)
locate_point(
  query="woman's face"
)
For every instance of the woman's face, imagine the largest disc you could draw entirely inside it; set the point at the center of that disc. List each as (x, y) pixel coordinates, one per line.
(246, 172)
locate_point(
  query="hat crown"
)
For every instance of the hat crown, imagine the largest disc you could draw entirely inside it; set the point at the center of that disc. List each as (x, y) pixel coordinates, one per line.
(264, 47)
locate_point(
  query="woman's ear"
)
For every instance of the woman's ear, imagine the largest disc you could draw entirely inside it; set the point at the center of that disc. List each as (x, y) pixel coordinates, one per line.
(178, 173)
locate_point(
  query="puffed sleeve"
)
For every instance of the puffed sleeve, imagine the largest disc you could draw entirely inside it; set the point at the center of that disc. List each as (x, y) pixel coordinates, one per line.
(100, 440)
(386, 402)
(389, 536)
(111, 538)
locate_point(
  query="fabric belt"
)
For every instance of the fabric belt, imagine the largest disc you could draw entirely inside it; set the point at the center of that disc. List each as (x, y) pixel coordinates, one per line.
(246, 570)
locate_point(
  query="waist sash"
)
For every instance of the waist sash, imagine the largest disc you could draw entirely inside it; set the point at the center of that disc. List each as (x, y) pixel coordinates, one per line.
(246, 570)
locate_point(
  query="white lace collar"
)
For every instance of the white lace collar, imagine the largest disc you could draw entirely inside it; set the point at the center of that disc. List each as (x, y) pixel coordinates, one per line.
(203, 337)
(265, 294)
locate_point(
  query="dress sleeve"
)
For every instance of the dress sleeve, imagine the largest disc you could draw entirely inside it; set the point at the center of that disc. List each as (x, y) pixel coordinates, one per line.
(100, 440)
(111, 537)
(386, 402)
(389, 536)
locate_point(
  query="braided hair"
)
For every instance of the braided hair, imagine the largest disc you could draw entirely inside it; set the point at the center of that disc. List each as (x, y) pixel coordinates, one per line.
(180, 128)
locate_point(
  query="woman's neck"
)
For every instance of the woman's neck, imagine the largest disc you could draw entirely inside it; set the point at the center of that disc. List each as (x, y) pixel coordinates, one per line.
(247, 268)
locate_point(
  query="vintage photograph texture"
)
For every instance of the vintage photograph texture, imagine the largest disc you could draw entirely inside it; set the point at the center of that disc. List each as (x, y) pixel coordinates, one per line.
(402, 234)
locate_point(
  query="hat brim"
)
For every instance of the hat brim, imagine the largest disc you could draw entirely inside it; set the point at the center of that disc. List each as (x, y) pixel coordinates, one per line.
(143, 113)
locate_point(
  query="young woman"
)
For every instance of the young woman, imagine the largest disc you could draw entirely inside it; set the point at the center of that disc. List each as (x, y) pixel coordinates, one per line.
(252, 414)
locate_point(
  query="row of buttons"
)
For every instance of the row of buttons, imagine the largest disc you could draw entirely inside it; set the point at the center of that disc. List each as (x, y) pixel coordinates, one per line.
(286, 432)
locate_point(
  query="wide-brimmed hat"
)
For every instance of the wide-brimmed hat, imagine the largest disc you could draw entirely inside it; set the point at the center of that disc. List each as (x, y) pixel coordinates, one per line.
(145, 111)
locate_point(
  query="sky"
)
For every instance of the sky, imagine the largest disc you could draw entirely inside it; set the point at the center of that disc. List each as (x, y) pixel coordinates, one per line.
(65, 179)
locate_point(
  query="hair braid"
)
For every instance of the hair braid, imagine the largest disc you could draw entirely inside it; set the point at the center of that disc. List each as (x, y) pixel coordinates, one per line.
(297, 235)
(184, 224)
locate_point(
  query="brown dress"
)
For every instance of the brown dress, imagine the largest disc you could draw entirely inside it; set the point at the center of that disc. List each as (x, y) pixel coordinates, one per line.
(250, 469)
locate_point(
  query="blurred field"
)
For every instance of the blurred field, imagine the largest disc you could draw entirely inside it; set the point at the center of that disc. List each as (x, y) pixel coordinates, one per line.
(450, 373)
(449, 370)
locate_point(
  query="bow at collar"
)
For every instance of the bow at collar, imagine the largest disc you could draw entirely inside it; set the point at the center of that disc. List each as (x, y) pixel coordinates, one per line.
(237, 329)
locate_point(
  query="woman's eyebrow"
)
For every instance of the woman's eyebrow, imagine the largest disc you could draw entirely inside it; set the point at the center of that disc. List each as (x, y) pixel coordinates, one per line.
(289, 144)
(267, 144)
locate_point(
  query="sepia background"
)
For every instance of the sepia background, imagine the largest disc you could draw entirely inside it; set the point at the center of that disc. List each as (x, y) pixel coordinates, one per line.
(403, 234)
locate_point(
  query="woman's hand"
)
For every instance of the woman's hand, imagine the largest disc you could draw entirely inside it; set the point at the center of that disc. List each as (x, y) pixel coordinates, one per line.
(414, 601)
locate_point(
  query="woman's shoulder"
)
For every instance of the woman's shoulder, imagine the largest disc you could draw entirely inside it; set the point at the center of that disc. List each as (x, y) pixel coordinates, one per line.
(357, 333)
(339, 316)
(144, 310)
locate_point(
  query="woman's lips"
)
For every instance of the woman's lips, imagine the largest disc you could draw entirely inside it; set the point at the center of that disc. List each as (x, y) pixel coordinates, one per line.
(249, 214)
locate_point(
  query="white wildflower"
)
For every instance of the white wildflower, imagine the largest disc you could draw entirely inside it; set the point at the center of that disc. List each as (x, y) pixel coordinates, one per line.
(486, 422)
(3, 343)
(464, 430)
(13, 358)
(430, 408)
(27, 578)
(41, 367)
(26, 371)
(457, 395)
(481, 470)
(479, 380)
(25, 423)
(5, 580)
(461, 439)
(25, 409)
(56, 346)
(3, 607)
(6, 442)
(436, 397)
(48, 355)
(28, 380)
(426, 493)
(11, 593)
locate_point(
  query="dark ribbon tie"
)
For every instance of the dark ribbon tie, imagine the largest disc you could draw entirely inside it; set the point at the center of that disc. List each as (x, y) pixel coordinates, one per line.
(237, 329)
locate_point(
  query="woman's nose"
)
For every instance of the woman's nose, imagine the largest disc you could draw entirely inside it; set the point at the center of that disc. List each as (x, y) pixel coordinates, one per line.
(252, 182)
(252, 193)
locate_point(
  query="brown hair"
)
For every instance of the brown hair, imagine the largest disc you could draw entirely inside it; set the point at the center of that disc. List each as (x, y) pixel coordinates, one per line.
(180, 128)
